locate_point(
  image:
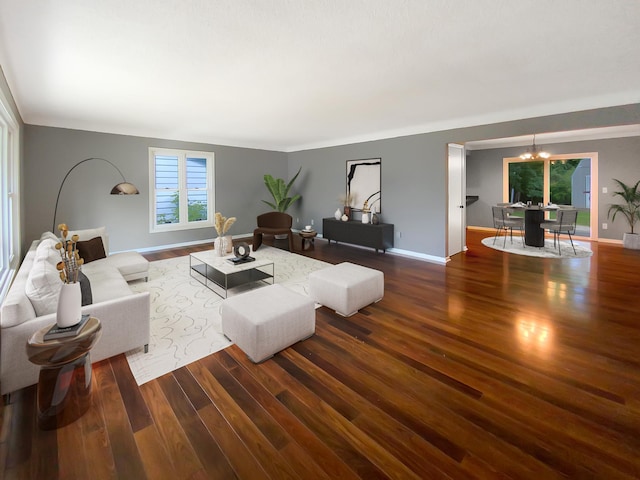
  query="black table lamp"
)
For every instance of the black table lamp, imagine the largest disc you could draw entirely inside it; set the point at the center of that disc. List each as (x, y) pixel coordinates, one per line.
(122, 188)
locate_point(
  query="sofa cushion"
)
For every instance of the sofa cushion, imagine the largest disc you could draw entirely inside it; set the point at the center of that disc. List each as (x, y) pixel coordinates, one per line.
(91, 250)
(43, 284)
(107, 282)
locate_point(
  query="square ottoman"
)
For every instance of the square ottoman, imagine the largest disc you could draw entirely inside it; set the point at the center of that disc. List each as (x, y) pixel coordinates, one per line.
(266, 320)
(346, 287)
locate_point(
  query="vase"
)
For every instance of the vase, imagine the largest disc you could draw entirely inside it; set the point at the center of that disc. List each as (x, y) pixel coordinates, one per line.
(69, 305)
(365, 217)
(218, 246)
(337, 215)
(227, 242)
(347, 211)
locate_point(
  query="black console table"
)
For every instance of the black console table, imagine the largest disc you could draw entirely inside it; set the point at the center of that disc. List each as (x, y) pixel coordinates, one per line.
(378, 236)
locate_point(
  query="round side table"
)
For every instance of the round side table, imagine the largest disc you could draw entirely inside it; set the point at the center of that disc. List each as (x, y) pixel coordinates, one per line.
(308, 237)
(64, 384)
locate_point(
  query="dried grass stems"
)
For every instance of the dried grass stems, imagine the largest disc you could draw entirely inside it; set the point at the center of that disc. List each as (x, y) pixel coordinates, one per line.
(223, 224)
(71, 262)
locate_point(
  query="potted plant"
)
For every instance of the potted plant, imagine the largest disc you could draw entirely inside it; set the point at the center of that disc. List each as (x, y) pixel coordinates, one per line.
(630, 209)
(280, 192)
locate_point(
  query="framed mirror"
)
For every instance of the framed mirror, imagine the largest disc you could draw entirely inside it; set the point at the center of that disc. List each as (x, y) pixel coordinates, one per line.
(363, 183)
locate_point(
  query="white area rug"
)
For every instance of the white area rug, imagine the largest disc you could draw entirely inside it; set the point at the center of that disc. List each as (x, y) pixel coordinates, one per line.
(185, 315)
(548, 251)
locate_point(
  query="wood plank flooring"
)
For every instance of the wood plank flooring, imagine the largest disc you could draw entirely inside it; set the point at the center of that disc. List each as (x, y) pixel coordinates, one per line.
(495, 366)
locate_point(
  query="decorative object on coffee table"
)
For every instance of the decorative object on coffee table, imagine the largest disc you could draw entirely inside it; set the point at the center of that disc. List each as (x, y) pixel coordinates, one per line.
(70, 297)
(242, 250)
(223, 244)
(64, 384)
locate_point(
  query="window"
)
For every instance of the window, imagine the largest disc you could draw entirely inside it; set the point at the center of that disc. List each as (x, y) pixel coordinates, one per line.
(566, 179)
(181, 189)
(9, 195)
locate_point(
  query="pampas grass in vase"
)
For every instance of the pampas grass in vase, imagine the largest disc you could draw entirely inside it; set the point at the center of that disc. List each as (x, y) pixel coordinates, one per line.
(224, 243)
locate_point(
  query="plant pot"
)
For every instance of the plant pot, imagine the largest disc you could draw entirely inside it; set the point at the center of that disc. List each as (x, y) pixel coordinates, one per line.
(69, 310)
(631, 241)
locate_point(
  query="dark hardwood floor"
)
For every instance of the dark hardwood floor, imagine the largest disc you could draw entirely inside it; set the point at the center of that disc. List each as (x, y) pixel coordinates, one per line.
(495, 366)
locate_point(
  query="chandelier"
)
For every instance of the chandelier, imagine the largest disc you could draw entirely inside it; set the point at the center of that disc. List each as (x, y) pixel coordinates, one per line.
(533, 153)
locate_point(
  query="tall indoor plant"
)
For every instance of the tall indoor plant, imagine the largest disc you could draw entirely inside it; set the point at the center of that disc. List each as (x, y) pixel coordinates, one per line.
(630, 209)
(280, 192)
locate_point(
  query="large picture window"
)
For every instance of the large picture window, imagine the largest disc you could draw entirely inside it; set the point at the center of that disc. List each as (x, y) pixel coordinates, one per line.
(566, 179)
(181, 189)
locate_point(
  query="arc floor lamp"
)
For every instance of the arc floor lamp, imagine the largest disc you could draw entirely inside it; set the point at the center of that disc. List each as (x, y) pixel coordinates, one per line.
(122, 188)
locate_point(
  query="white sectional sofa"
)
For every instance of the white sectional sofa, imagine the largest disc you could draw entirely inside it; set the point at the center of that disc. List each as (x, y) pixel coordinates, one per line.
(31, 302)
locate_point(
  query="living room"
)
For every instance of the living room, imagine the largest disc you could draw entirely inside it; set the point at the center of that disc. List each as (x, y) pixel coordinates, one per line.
(414, 199)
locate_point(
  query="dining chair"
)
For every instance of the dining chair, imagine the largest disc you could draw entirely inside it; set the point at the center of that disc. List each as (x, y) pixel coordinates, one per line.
(566, 220)
(503, 220)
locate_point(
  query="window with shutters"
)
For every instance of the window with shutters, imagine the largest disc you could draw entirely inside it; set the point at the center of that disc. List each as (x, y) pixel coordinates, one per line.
(181, 189)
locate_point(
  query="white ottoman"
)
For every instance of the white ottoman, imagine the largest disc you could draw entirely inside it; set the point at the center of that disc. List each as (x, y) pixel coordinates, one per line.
(346, 287)
(266, 320)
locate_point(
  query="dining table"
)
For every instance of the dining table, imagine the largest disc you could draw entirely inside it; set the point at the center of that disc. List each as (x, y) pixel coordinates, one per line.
(534, 215)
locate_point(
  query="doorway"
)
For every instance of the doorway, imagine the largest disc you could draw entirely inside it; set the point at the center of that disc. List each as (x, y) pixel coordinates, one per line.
(456, 195)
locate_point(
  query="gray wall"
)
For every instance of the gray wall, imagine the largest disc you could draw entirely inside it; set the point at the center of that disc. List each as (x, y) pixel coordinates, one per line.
(414, 193)
(85, 201)
(617, 158)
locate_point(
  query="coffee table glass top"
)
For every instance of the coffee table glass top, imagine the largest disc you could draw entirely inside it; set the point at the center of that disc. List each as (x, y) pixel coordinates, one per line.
(218, 274)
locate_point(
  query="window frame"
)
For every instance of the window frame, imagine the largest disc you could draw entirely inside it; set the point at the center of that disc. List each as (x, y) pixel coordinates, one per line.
(9, 195)
(182, 189)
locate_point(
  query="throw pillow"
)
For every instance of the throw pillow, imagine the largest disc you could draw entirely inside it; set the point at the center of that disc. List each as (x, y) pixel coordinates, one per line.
(43, 284)
(49, 235)
(89, 233)
(91, 250)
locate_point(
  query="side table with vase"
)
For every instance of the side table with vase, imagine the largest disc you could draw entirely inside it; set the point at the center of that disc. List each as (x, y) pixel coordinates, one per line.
(64, 384)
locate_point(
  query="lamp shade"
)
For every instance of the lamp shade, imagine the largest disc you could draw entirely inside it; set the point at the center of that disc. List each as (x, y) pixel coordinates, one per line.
(125, 188)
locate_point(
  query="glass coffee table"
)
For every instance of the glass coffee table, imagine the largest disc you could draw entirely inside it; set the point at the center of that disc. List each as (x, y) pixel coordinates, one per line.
(219, 275)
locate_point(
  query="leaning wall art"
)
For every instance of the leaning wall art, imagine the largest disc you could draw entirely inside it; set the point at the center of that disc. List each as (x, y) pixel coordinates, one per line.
(363, 183)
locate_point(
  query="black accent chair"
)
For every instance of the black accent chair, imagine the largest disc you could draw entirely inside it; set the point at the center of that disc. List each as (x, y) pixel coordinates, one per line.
(273, 223)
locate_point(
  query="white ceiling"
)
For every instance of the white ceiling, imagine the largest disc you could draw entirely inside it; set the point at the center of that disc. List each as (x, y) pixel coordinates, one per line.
(290, 75)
